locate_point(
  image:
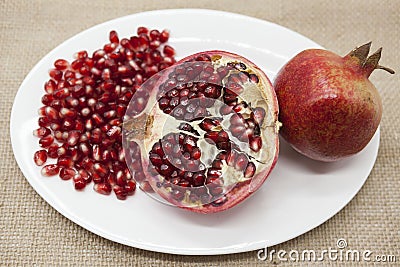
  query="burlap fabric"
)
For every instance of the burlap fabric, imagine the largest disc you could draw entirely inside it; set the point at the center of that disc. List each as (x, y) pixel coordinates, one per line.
(33, 233)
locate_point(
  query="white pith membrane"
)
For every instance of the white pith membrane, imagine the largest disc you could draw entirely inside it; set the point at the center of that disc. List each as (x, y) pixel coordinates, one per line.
(146, 124)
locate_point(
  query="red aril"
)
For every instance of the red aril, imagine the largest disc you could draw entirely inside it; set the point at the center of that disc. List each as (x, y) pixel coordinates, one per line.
(40, 157)
(50, 170)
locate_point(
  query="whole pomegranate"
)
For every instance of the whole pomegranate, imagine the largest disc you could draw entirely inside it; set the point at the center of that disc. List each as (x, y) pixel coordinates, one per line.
(328, 108)
(202, 134)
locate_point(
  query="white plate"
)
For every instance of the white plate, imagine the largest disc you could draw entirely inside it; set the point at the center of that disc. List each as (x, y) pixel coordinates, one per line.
(299, 195)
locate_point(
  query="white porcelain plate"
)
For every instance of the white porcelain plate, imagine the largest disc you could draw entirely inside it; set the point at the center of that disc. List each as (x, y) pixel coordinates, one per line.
(299, 195)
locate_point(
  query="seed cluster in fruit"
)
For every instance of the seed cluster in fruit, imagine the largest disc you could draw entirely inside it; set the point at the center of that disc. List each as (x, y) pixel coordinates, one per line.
(202, 131)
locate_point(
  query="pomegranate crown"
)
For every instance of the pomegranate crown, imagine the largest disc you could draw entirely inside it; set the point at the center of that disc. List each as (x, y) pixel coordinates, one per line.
(368, 63)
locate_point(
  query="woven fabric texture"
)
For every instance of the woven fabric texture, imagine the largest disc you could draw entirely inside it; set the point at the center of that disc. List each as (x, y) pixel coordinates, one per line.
(33, 233)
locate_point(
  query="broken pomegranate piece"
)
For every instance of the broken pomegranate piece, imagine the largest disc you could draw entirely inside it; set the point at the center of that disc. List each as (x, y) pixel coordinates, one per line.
(203, 133)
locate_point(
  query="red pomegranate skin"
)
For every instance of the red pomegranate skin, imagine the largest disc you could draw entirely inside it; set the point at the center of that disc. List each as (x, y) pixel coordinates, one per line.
(328, 108)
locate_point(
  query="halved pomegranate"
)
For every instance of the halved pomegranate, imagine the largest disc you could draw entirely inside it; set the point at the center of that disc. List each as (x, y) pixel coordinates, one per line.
(203, 133)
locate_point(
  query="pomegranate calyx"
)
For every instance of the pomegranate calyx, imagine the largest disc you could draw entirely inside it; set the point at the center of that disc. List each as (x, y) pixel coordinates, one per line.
(360, 53)
(372, 63)
(359, 57)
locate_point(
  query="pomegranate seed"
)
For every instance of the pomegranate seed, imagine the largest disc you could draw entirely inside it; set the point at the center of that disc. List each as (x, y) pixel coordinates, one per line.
(120, 192)
(217, 164)
(95, 71)
(103, 188)
(97, 119)
(110, 178)
(168, 51)
(100, 169)
(196, 153)
(56, 104)
(79, 126)
(55, 74)
(142, 30)
(50, 170)
(86, 112)
(40, 157)
(52, 151)
(41, 132)
(47, 99)
(96, 154)
(125, 43)
(85, 175)
(58, 135)
(208, 124)
(97, 178)
(96, 136)
(67, 173)
(50, 86)
(81, 54)
(46, 141)
(74, 153)
(114, 132)
(77, 64)
(109, 114)
(154, 35)
(84, 148)
(169, 60)
(89, 62)
(130, 187)
(84, 137)
(120, 178)
(98, 54)
(258, 115)
(113, 37)
(55, 126)
(61, 151)
(65, 161)
(51, 113)
(61, 93)
(164, 36)
(44, 122)
(79, 182)
(67, 124)
(241, 162)
(73, 138)
(255, 143)
(108, 48)
(211, 137)
(61, 64)
(67, 113)
(106, 156)
(250, 170)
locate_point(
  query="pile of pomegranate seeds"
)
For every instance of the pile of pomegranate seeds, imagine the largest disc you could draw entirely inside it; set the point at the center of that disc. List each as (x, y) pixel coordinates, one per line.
(80, 124)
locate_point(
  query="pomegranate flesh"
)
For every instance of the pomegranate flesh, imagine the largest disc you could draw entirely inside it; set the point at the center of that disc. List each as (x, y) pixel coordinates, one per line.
(203, 133)
(329, 109)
